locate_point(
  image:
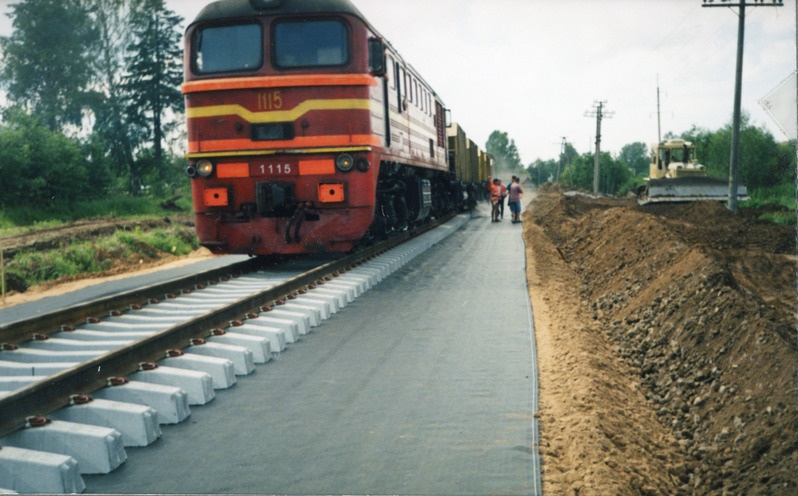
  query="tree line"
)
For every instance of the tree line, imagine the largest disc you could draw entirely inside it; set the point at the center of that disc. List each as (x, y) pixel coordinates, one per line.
(93, 94)
(764, 162)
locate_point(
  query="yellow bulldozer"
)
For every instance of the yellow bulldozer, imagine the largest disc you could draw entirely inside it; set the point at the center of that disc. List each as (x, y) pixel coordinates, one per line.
(676, 176)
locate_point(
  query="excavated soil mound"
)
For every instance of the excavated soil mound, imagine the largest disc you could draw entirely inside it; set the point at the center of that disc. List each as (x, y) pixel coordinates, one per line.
(667, 347)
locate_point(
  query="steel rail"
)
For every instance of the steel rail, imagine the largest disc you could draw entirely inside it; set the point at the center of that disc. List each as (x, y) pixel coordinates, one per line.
(54, 392)
(24, 329)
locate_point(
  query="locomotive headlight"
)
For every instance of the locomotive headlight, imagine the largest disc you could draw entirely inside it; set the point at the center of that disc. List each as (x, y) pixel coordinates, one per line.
(205, 168)
(344, 162)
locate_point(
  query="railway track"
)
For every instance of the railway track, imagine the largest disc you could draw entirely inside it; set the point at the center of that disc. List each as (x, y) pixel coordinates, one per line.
(79, 386)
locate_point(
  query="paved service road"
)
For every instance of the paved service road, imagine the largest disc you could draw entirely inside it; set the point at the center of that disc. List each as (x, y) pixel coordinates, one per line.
(424, 385)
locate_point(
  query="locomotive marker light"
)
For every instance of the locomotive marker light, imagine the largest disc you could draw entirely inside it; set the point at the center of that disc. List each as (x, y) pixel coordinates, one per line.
(205, 168)
(344, 162)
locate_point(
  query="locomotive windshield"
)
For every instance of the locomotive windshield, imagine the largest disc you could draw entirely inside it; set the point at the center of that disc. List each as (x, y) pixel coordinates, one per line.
(310, 44)
(228, 49)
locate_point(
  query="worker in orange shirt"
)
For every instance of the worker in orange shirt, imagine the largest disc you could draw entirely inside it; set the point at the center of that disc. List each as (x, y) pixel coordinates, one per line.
(497, 193)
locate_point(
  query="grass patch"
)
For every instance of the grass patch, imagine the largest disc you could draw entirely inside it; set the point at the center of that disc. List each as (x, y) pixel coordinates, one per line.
(781, 218)
(91, 257)
(37, 267)
(783, 195)
(777, 204)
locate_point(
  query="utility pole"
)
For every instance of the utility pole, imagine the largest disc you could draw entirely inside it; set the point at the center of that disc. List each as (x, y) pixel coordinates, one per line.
(659, 126)
(734, 165)
(560, 161)
(599, 113)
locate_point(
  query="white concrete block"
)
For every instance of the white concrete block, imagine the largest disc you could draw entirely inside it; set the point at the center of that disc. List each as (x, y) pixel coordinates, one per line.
(312, 312)
(241, 357)
(289, 327)
(109, 326)
(58, 344)
(33, 369)
(276, 337)
(98, 450)
(340, 297)
(186, 308)
(301, 319)
(220, 369)
(28, 471)
(165, 320)
(198, 385)
(138, 424)
(351, 290)
(152, 311)
(363, 282)
(171, 402)
(259, 346)
(14, 382)
(328, 305)
(321, 309)
(204, 298)
(87, 335)
(27, 355)
(375, 273)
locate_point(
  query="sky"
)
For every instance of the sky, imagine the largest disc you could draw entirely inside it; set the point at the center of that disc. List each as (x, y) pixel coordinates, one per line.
(535, 68)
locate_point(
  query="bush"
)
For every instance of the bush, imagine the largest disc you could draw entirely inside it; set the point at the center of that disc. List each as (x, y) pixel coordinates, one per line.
(38, 166)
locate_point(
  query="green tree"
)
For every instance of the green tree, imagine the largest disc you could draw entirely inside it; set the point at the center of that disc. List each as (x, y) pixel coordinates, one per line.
(615, 178)
(152, 82)
(46, 67)
(763, 162)
(567, 156)
(504, 152)
(635, 156)
(40, 167)
(113, 139)
(542, 171)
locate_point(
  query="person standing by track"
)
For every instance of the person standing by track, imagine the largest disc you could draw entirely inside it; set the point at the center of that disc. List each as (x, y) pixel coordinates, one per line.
(514, 202)
(497, 192)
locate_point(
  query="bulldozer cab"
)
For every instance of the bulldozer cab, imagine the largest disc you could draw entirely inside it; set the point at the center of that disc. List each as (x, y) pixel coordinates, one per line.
(670, 156)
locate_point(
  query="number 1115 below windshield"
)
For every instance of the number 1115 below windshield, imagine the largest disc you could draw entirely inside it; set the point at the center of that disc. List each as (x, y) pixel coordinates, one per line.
(296, 44)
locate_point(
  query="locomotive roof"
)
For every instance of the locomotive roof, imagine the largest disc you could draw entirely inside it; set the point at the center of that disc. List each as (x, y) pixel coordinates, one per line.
(228, 9)
(231, 9)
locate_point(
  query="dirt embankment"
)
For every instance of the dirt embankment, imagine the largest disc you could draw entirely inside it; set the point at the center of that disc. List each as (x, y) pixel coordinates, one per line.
(667, 345)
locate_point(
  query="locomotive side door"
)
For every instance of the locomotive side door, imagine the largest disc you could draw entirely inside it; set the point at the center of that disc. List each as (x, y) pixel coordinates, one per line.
(380, 65)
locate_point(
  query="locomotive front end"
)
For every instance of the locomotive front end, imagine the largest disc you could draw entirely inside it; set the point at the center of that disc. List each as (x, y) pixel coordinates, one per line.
(279, 120)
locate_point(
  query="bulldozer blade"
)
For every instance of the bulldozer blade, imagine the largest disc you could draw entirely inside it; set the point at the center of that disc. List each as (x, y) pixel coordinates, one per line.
(689, 189)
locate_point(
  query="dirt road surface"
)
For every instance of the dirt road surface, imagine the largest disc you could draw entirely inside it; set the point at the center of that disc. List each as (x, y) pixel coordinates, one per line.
(667, 347)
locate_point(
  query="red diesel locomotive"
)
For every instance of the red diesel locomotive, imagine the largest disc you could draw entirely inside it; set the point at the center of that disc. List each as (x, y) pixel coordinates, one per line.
(307, 132)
